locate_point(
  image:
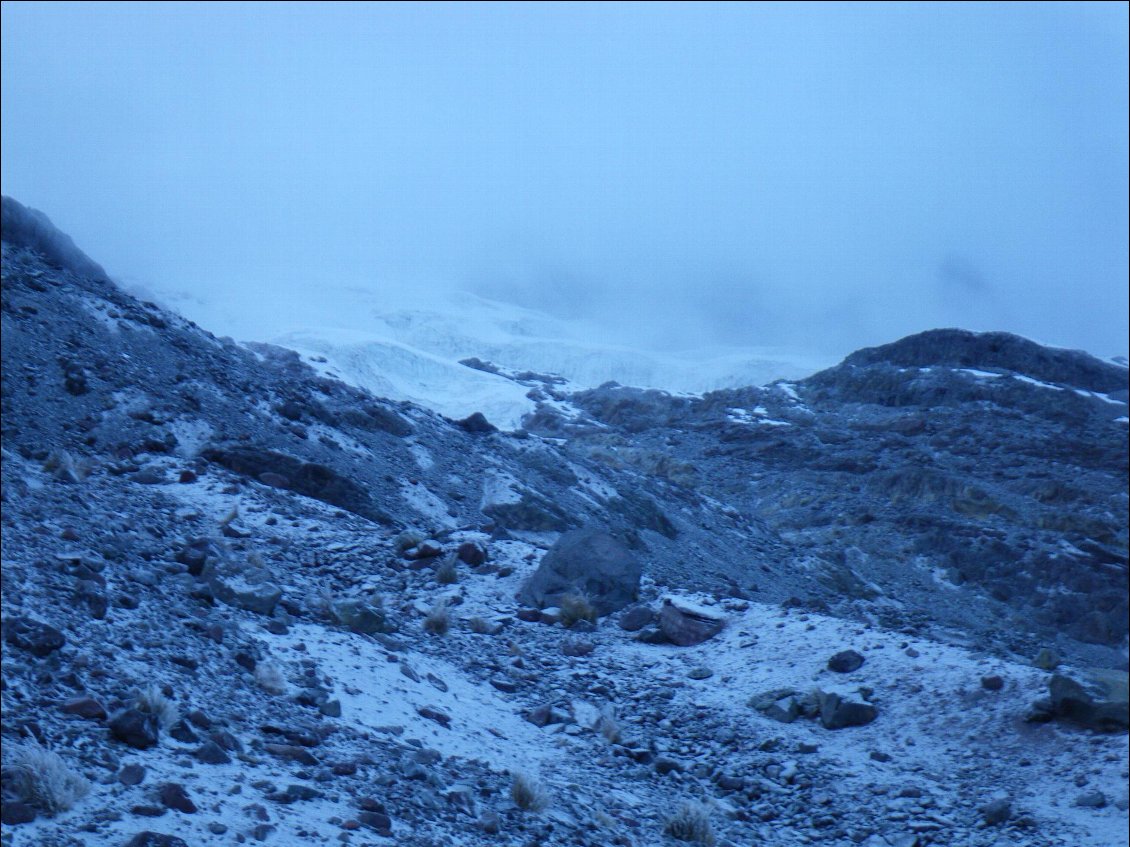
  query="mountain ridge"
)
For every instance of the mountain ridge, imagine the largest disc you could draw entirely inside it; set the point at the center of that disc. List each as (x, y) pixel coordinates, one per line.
(277, 552)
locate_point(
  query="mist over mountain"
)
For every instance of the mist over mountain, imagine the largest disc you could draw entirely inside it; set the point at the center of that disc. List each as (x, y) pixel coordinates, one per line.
(820, 178)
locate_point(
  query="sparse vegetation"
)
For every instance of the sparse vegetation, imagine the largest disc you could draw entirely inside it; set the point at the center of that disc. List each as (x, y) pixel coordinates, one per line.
(41, 778)
(690, 823)
(576, 607)
(527, 793)
(438, 619)
(270, 678)
(64, 467)
(446, 573)
(407, 540)
(480, 626)
(152, 700)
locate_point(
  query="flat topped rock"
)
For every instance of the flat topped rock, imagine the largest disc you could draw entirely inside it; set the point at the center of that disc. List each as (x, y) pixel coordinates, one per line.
(687, 624)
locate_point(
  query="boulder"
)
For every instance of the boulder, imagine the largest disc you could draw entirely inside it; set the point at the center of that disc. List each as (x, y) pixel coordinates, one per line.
(136, 728)
(174, 796)
(685, 624)
(477, 424)
(361, 617)
(34, 636)
(635, 618)
(587, 562)
(155, 839)
(247, 585)
(471, 553)
(779, 704)
(85, 707)
(846, 661)
(1101, 704)
(838, 713)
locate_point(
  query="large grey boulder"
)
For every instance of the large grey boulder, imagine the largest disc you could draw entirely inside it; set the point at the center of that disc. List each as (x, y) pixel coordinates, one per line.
(587, 562)
(249, 586)
(1100, 704)
(686, 624)
(836, 712)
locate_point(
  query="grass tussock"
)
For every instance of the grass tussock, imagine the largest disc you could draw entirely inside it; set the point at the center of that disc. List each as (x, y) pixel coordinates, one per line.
(527, 793)
(446, 574)
(152, 701)
(438, 619)
(690, 823)
(575, 608)
(480, 626)
(41, 778)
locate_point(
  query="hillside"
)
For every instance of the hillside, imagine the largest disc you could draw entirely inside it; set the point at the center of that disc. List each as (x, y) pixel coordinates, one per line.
(246, 601)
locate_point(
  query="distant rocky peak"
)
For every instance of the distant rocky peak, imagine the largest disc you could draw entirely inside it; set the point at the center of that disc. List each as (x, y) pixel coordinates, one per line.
(33, 230)
(960, 348)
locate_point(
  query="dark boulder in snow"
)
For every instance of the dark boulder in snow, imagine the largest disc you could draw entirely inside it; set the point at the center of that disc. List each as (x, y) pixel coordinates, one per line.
(839, 713)
(1102, 705)
(585, 562)
(846, 661)
(686, 625)
(477, 424)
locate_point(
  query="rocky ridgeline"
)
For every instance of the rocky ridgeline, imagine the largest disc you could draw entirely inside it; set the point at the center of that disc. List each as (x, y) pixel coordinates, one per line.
(244, 603)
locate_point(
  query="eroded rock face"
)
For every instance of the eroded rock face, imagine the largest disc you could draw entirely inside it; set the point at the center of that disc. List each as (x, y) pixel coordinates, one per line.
(313, 479)
(589, 563)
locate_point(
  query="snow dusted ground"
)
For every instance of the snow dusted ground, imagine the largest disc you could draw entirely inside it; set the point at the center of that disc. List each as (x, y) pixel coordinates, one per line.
(407, 347)
(952, 745)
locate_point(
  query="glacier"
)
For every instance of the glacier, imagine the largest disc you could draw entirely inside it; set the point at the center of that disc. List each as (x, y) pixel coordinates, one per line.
(400, 344)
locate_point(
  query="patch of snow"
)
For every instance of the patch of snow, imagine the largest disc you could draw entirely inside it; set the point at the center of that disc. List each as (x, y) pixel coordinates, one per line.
(422, 456)
(191, 436)
(980, 374)
(427, 504)
(1036, 382)
(375, 694)
(789, 389)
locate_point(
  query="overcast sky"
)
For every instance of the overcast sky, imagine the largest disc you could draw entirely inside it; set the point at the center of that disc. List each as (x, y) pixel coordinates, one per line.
(823, 176)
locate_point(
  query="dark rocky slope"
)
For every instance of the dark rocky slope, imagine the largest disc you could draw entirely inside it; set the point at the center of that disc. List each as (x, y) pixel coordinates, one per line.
(944, 460)
(247, 602)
